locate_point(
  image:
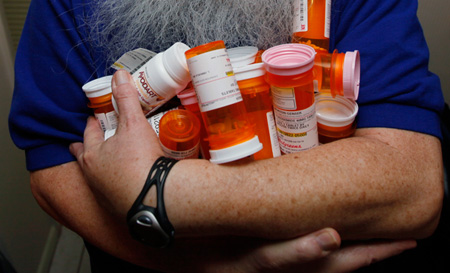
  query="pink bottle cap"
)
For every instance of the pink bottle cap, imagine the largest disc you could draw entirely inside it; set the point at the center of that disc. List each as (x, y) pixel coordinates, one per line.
(289, 59)
(188, 96)
(351, 75)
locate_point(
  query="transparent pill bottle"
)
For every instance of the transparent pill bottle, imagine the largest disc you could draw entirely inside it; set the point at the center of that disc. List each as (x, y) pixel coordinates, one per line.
(289, 71)
(188, 99)
(230, 134)
(179, 134)
(99, 94)
(312, 23)
(336, 117)
(161, 78)
(258, 102)
(338, 74)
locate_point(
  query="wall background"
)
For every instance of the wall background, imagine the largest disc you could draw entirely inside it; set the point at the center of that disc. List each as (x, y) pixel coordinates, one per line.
(433, 15)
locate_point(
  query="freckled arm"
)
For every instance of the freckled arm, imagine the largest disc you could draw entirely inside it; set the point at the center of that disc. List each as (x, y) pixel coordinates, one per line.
(382, 183)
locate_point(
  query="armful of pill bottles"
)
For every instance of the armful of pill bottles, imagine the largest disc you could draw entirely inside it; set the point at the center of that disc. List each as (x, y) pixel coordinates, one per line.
(277, 198)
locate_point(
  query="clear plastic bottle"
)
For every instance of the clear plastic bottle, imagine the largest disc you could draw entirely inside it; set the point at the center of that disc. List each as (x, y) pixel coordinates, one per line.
(188, 99)
(179, 134)
(338, 73)
(258, 102)
(312, 23)
(289, 71)
(230, 134)
(99, 94)
(161, 78)
(335, 117)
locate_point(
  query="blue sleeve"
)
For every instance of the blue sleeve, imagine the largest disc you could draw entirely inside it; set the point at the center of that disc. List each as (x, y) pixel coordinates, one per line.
(49, 109)
(397, 89)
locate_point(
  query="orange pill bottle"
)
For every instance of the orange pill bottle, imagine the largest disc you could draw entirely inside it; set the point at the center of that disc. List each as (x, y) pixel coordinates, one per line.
(312, 23)
(179, 134)
(338, 73)
(336, 117)
(289, 71)
(188, 99)
(258, 102)
(230, 134)
(99, 94)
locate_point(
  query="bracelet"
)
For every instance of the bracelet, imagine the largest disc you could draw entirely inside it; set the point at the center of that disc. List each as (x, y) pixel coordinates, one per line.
(147, 224)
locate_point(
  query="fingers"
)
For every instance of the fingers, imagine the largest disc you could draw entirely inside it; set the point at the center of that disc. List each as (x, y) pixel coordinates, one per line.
(125, 95)
(353, 257)
(298, 251)
(93, 135)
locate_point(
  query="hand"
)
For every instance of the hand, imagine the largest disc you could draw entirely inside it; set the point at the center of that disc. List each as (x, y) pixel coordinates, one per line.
(316, 252)
(135, 143)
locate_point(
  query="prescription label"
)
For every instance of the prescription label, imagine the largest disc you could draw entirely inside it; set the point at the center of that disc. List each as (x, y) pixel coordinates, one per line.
(297, 130)
(284, 98)
(133, 60)
(273, 134)
(180, 155)
(301, 10)
(214, 81)
(327, 18)
(107, 121)
(301, 15)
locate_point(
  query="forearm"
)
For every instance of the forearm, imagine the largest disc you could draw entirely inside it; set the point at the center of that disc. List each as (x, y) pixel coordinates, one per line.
(364, 187)
(63, 193)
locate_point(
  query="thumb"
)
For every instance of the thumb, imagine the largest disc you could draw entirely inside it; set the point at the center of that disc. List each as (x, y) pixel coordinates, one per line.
(125, 95)
(298, 251)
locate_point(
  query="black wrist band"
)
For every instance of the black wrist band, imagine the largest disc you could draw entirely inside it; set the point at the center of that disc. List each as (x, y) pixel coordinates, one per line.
(148, 224)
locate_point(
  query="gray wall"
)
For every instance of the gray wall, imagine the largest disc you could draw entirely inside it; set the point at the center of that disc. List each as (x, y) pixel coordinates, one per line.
(24, 227)
(435, 20)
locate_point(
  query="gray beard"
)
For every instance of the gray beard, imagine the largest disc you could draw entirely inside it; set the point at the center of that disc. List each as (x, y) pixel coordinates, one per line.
(118, 26)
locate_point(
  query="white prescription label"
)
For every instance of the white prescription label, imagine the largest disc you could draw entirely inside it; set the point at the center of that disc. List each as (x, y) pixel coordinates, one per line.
(214, 81)
(301, 15)
(179, 155)
(155, 119)
(107, 121)
(284, 98)
(273, 134)
(327, 18)
(133, 60)
(297, 130)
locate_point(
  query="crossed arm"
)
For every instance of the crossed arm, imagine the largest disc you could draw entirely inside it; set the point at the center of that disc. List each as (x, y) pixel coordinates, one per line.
(382, 183)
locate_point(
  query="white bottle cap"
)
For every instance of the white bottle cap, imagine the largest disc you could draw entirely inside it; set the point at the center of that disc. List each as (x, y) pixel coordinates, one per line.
(236, 152)
(351, 75)
(335, 112)
(249, 71)
(240, 56)
(175, 63)
(161, 81)
(98, 87)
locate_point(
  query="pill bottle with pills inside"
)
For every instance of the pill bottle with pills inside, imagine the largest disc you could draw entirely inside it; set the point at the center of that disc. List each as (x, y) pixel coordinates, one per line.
(231, 136)
(312, 23)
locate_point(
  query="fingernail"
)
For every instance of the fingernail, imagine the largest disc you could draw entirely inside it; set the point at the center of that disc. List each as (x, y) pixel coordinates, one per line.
(121, 77)
(327, 241)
